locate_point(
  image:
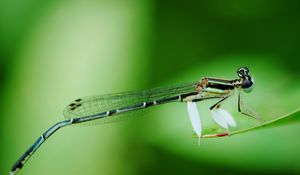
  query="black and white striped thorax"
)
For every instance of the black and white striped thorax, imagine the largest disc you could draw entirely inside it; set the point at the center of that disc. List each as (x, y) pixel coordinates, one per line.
(220, 84)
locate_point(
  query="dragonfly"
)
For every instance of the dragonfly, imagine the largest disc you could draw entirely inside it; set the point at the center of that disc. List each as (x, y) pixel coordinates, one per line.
(121, 106)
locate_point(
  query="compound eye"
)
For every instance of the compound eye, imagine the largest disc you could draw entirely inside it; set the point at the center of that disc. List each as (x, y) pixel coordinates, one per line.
(247, 85)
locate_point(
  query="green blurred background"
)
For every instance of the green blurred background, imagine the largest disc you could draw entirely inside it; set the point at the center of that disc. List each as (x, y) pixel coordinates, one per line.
(55, 51)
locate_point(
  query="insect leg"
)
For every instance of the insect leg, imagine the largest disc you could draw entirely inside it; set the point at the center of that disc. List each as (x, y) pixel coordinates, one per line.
(246, 111)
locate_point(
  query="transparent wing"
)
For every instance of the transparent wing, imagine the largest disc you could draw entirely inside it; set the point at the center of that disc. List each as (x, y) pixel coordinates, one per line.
(97, 104)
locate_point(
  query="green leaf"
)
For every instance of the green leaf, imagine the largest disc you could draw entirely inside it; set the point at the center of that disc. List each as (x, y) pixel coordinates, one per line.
(284, 120)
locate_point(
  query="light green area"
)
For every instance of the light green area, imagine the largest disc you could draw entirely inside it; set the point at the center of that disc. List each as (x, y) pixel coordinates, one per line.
(56, 51)
(73, 49)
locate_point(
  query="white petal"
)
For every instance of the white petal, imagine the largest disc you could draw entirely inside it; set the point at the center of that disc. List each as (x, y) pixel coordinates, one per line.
(218, 118)
(227, 117)
(194, 117)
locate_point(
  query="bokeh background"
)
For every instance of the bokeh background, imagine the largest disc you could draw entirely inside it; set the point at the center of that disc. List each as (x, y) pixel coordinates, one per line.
(53, 52)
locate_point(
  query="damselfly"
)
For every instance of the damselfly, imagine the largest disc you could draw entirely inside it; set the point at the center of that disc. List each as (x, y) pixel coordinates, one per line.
(114, 107)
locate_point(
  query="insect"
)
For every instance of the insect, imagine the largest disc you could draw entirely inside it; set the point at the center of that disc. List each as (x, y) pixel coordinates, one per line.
(120, 106)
